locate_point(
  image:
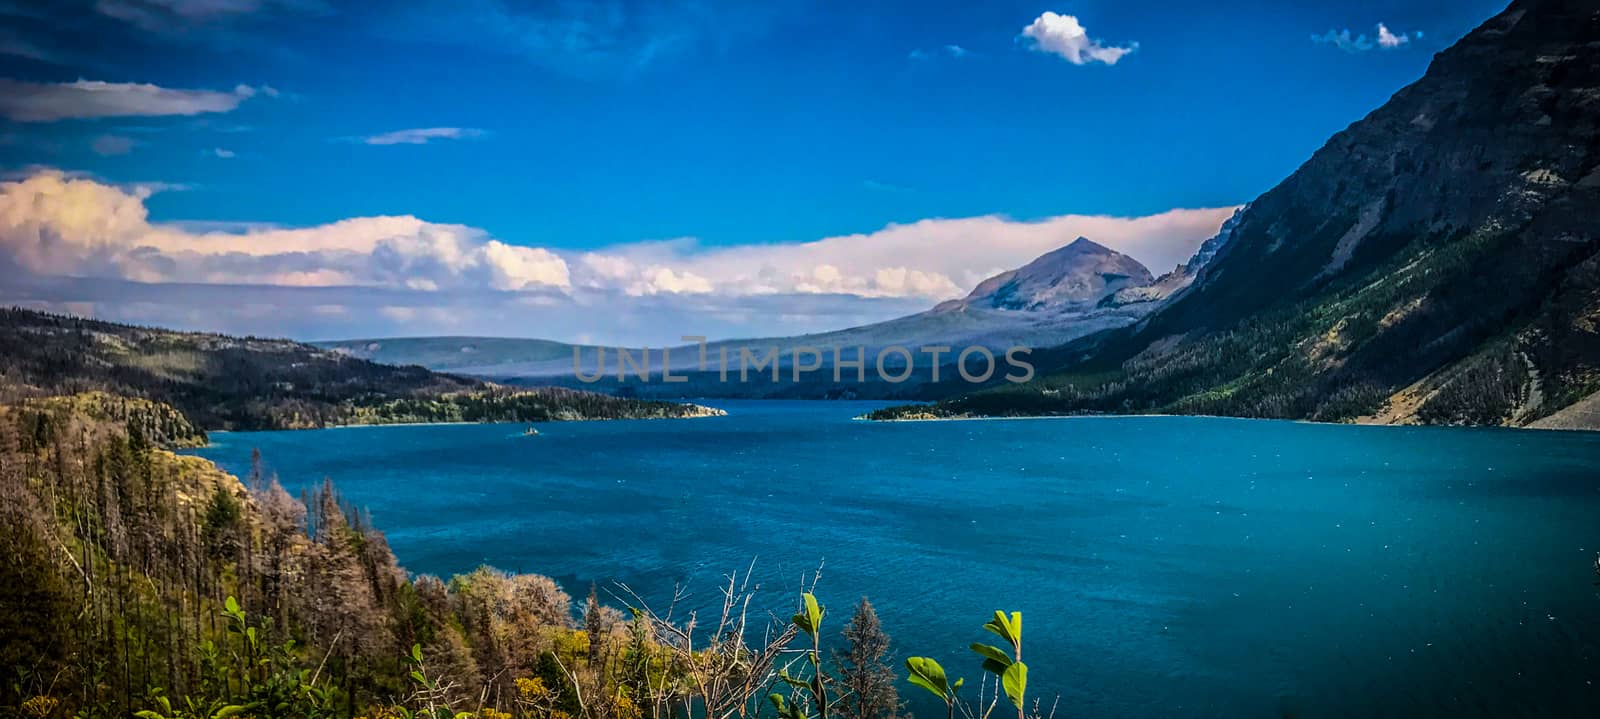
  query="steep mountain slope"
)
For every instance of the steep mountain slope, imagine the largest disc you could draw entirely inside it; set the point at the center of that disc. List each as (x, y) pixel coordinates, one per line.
(1180, 278)
(221, 382)
(1434, 262)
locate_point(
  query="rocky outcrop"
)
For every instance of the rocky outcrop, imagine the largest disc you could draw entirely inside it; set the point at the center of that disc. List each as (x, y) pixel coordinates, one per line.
(1179, 279)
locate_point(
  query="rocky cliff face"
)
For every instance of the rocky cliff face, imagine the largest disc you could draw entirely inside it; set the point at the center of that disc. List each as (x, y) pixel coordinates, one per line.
(1434, 262)
(1180, 278)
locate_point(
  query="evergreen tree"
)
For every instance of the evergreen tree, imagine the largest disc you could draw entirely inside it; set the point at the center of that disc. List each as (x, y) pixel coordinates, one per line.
(863, 668)
(593, 625)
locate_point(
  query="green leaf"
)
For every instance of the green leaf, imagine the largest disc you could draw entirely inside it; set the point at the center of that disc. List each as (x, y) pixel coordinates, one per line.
(927, 673)
(147, 714)
(785, 709)
(994, 656)
(1015, 681)
(228, 711)
(792, 681)
(416, 652)
(814, 610)
(809, 619)
(231, 604)
(1009, 628)
(419, 678)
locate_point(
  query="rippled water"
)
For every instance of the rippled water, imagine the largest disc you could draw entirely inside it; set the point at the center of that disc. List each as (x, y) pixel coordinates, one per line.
(1165, 566)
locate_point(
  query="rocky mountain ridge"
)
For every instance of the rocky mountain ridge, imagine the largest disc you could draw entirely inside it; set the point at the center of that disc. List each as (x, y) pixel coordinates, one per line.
(1436, 262)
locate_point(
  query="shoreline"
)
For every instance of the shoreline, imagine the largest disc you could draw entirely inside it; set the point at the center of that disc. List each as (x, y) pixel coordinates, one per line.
(994, 418)
(704, 413)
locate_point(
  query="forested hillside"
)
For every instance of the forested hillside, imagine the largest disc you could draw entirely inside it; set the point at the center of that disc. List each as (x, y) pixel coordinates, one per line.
(138, 581)
(234, 383)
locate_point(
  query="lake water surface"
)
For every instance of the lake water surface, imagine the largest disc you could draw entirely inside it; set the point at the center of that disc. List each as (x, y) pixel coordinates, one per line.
(1166, 566)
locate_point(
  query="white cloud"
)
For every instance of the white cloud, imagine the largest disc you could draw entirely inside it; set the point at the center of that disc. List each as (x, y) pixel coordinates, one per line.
(1389, 39)
(932, 259)
(53, 224)
(656, 280)
(1349, 41)
(1064, 36)
(108, 145)
(56, 225)
(224, 154)
(47, 102)
(422, 135)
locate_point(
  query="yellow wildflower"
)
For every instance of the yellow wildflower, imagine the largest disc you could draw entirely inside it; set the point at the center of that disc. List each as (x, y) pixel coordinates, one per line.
(626, 709)
(532, 689)
(40, 706)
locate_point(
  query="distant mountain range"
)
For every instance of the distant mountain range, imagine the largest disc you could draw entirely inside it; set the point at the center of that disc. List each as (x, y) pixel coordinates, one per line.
(1436, 262)
(1081, 288)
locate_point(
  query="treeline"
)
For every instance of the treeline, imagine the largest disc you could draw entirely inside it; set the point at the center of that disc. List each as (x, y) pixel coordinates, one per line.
(249, 383)
(139, 581)
(500, 404)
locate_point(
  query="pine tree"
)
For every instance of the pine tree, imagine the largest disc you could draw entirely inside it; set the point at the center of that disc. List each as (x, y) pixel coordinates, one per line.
(593, 625)
(863, 668)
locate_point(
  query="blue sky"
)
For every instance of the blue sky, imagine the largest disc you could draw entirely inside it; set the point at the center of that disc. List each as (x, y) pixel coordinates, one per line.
(579, 127)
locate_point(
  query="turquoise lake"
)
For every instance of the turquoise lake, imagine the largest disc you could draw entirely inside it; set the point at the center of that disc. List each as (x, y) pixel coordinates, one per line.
(1166, 567)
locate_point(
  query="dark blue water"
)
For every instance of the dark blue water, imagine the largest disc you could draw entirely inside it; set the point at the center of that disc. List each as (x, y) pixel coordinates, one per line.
(1165, 566)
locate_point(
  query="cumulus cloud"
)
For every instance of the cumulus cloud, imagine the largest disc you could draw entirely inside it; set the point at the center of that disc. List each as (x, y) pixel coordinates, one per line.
(1389, 39)
(54, 225)
(48, 102)
(1348, 41)
(108, 145)
(932, 259)
(222, 153)
(1064, 36)
(422, 135)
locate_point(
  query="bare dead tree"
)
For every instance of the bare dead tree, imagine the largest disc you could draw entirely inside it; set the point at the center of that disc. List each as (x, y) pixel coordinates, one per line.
(723, 671)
